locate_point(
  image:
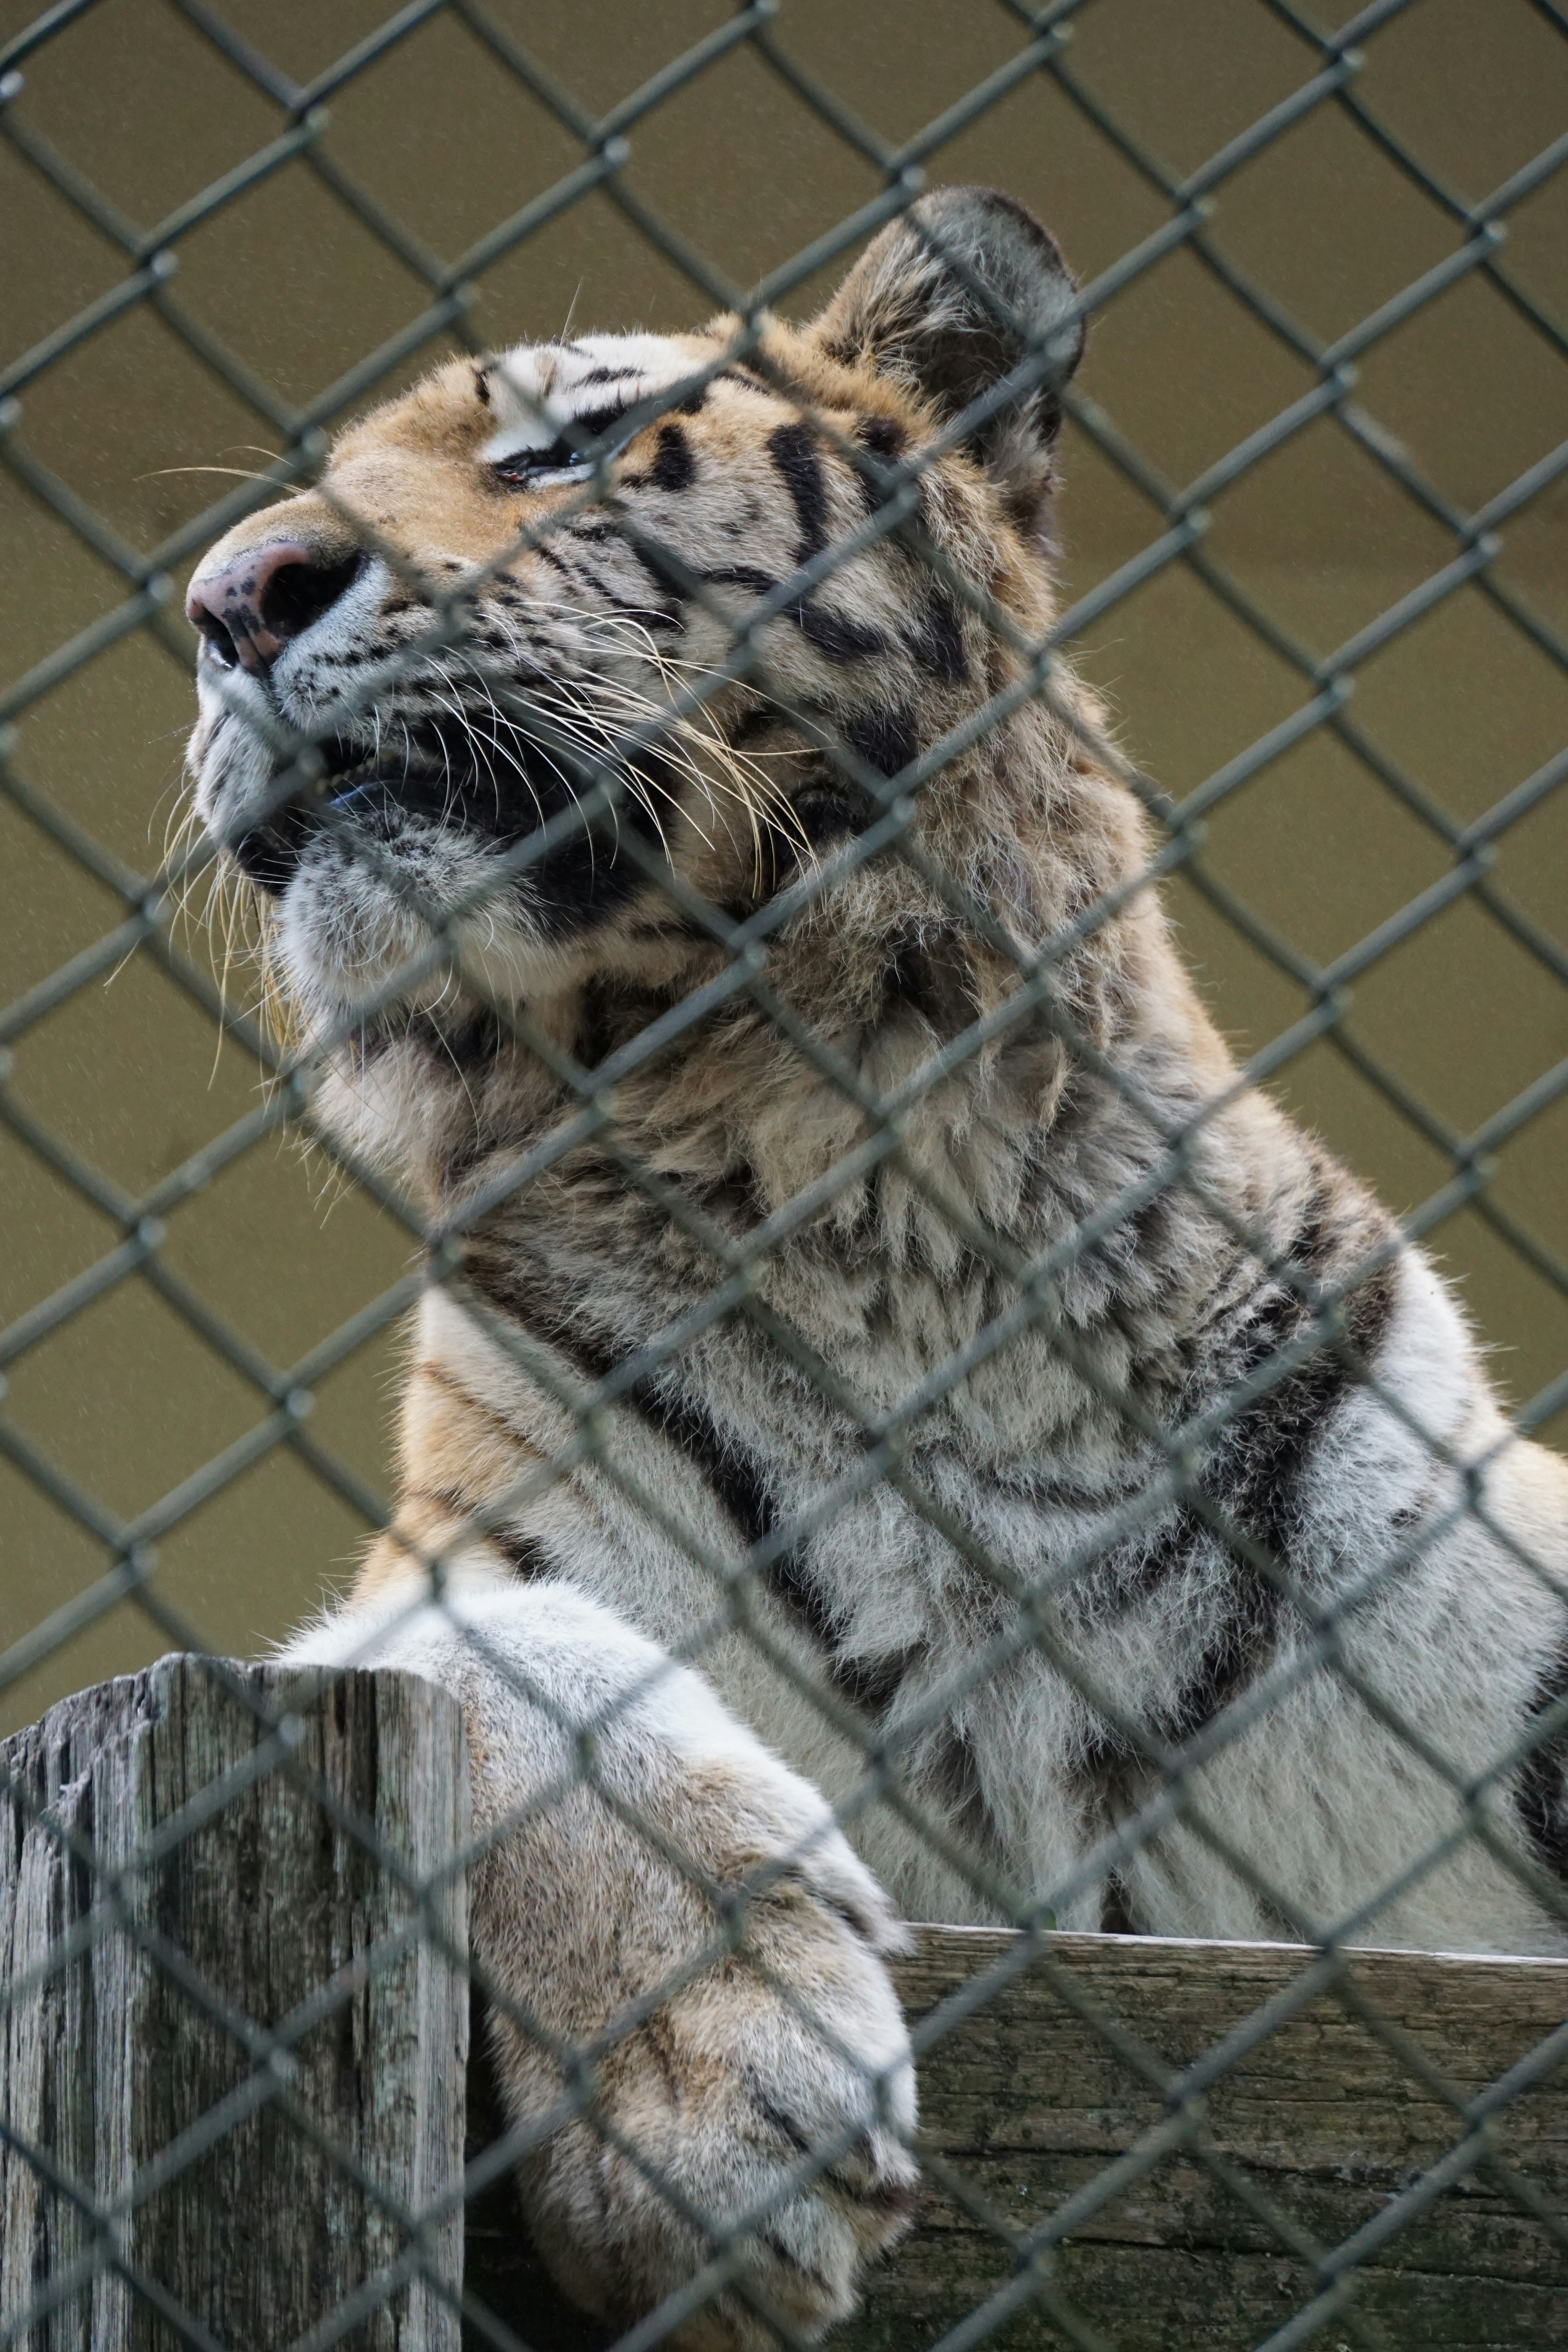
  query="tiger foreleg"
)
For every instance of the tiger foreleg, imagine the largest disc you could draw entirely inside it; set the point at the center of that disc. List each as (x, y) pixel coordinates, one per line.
(692, 2024)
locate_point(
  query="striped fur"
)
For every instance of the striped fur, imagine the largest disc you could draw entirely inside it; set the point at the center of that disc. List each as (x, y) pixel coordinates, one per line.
(1040, 1613)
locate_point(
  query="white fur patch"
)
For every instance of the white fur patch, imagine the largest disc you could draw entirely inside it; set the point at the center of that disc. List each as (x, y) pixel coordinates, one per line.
(536, 389)
(553, 1658)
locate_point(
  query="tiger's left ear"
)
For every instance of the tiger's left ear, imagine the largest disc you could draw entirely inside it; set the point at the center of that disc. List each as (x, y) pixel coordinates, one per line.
(951, 297)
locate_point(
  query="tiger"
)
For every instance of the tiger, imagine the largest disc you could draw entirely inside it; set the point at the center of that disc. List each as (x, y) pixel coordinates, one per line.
(883, 1378)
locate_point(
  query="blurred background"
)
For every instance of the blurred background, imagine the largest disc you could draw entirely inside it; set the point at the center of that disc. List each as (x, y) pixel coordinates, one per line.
(123, 1399)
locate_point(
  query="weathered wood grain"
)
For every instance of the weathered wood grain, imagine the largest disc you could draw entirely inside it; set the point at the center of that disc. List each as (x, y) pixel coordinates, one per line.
(176, 2155)
(1026, 2100)
(1078, 2129)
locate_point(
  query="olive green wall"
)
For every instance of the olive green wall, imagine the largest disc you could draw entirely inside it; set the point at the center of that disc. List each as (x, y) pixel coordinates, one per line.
(124, 1399)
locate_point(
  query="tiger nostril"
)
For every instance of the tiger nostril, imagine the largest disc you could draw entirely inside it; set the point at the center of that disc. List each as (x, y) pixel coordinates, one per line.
(247, 614)
(218, 642)
(298, 594)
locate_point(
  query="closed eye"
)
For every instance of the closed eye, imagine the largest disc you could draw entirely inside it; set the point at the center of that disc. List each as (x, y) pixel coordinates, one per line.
(566, 459)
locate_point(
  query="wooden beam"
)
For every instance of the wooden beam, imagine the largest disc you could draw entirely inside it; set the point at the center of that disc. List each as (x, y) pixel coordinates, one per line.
(1334, 2119)
(1128, 2142)
(154, 2134)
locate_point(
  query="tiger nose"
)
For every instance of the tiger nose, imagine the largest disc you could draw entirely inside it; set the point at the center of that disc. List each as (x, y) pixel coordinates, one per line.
(249, 612)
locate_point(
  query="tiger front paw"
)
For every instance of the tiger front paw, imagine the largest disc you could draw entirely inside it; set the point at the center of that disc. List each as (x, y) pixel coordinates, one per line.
(742, 2137)
(697, 2043)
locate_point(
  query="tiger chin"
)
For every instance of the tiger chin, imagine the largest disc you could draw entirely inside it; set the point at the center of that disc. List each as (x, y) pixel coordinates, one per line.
(561, 833)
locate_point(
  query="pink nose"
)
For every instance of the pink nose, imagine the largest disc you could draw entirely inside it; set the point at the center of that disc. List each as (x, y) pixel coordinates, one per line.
(249, 612)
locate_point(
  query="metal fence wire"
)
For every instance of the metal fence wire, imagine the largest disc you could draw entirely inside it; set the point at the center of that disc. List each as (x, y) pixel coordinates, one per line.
(1027, 1290)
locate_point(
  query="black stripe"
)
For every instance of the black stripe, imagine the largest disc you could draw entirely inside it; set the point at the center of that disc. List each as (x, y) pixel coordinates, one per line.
(886, 440)
(952, 1773)
(492, 780)
(826, 809)
(467, 1039)
(1265, 1449)
(733, 1479)
(735, 1198)
(1234, 1656)
(741, 575)
(929, 971)
(792, 448)
(883, 435)
(582, 880)
(1254, 1468)
(670, 615)
(738, 1483)
(762, 719)
(673, 467)
(1540, 1793)
(592, 425)
(649, 562)
(595, 1038)
(884, 738)
(524, 1557)
(836, 637)
(1115, 1908)
(1252, 1476)
(938, 644)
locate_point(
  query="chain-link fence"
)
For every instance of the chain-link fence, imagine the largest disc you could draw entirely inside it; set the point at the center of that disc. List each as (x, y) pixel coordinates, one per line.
(739, 1013)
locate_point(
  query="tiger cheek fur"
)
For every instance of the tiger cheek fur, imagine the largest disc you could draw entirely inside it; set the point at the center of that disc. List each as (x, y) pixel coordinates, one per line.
(453, 751)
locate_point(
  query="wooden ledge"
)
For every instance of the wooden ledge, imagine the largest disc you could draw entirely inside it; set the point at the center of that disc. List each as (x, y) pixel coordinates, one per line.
(1031, 2096)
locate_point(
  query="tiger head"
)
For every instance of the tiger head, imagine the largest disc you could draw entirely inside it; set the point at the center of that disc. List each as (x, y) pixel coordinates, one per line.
(575, 656)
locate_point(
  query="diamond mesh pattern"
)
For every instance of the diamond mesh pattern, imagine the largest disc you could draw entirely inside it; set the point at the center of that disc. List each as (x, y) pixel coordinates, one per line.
(123, 1237)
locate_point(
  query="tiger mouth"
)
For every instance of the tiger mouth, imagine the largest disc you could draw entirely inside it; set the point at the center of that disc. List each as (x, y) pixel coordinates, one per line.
(446, 779)
(269, 852)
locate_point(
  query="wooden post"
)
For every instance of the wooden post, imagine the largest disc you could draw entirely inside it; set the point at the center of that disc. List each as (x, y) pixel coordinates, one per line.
(171, 2038)
(1036, 2099)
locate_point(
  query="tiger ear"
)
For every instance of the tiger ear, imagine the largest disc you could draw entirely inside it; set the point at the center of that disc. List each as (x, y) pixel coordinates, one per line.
(951, 297)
